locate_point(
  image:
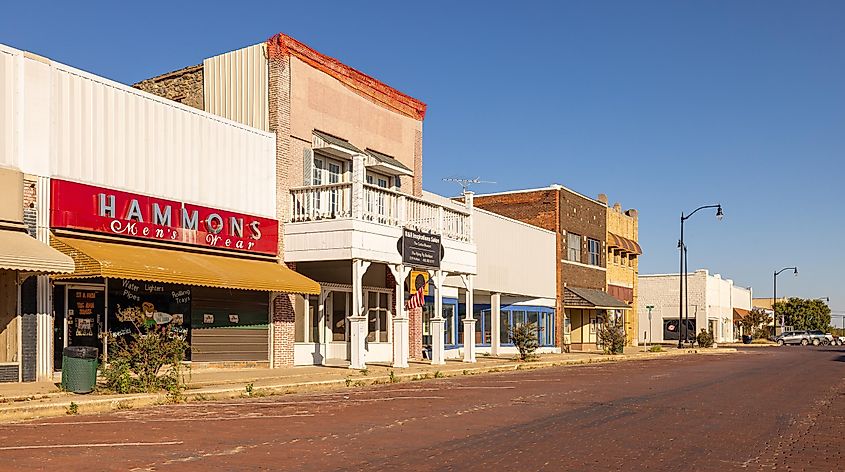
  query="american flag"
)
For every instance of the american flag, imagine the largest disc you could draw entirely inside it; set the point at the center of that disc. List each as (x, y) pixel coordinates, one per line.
(418, 299)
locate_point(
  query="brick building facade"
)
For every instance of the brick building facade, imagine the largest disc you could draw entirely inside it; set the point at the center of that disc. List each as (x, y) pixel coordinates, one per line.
(623, 252)
(580, 225)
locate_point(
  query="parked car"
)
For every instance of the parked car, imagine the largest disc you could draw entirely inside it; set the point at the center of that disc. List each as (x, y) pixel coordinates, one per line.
(793, 337)
(818, 337)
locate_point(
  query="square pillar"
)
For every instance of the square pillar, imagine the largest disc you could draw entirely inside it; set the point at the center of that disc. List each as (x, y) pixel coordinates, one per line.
(495, 324)
(401, 324)
(358, 319)
(438, 348)
(469, 321)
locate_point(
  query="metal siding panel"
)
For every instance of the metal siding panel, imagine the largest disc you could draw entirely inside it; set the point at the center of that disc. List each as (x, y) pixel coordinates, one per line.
(109, 134)
(236, 84)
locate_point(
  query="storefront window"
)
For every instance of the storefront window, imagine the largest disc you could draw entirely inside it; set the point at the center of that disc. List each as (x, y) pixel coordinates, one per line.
(340, 302)
(485, 326)
(314, 317)
(449, 315)
(377, 309)
(135, 305)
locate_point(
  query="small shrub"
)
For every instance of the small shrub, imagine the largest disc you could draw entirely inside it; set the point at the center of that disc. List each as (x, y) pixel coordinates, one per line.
(705, 338)
(72, 409)
(393, 378)
(250, 388)
(348, 381)
(524, 338)
(655, 349)
(611, 336)
(364, 372)
(149, 359)
(437, 375)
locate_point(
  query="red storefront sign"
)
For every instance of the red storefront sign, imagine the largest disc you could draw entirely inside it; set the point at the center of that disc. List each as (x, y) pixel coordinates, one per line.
(90, 208)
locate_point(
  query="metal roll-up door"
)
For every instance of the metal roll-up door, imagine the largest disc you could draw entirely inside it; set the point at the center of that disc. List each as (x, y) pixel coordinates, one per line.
(229, 325)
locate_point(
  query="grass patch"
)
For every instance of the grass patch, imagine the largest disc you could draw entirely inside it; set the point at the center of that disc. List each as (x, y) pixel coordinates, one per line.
(655, 349)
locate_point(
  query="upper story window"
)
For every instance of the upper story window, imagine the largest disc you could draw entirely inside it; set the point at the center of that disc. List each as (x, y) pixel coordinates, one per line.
(593, 250)
(327, 171)
(379, 180)
(573, 247)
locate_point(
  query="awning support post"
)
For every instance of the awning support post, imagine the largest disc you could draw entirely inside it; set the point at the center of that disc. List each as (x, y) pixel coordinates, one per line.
(358, 319)
(401, 335)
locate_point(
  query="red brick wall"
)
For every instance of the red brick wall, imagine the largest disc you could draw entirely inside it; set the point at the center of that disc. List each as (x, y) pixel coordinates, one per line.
(416, 331)
(538, 208)
(283, 330)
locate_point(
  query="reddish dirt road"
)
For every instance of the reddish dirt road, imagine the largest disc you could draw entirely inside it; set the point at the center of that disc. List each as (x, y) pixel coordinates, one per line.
(758, 409)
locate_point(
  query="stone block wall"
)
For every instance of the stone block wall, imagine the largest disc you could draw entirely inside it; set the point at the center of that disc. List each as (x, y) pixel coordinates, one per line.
(183, 86)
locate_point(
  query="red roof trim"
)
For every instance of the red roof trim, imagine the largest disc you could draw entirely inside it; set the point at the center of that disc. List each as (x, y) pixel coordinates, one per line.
(282, 45)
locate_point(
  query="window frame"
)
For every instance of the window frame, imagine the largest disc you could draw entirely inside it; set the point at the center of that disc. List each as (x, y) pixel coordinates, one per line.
(593, 252)
(573, 247)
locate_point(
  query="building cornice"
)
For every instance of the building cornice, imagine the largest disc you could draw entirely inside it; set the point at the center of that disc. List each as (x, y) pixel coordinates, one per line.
(282, 45)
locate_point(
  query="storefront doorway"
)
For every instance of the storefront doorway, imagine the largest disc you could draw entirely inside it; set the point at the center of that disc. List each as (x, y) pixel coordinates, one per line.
(80, 318)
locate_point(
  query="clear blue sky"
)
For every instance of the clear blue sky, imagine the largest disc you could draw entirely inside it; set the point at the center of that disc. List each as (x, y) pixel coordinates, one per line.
(664, 106)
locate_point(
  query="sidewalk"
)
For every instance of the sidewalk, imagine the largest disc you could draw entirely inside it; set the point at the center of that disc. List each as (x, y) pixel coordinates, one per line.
(21, 401)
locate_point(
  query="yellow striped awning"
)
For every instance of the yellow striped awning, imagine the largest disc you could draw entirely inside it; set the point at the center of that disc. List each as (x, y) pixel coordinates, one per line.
(152, 264)
(20, 251)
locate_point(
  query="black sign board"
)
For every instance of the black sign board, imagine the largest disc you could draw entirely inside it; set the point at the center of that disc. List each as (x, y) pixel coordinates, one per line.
(421, 249)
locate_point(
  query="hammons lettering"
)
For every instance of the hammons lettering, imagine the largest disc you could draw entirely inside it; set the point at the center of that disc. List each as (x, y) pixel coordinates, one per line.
(162, 215)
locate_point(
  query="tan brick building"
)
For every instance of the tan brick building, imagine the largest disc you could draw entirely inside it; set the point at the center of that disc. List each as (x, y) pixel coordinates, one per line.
(623, 252)
(348, 181)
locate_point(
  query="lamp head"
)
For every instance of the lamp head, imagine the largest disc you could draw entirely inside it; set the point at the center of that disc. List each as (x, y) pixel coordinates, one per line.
(719, 213)
(795, 272)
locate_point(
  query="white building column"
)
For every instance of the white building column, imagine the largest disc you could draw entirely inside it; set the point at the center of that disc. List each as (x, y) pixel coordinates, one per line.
(438, 349)
(358, 178)
(469, 321)
(401, 334)
(495, 324)
(358, 318)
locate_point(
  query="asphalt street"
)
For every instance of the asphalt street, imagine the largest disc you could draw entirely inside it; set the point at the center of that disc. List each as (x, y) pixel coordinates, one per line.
(757, 409)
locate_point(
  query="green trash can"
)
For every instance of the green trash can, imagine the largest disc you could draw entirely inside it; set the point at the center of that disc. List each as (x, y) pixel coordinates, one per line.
(79, 369)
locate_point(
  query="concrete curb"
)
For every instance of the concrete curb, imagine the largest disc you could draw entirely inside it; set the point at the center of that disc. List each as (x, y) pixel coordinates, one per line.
(59, 404)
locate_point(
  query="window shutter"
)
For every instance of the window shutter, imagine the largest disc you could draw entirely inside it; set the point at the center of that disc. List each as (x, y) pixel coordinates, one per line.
(307, 166)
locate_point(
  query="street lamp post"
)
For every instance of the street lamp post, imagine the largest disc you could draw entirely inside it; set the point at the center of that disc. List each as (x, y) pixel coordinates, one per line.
(775, 297)
(681, 247)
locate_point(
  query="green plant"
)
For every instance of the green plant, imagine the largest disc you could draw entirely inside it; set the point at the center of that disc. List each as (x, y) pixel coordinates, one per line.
(394, 378)
(655, 349)
(760, 341)
(364, 372)
(437, 375)
(705, 338)
(124, 405)
(360, 383)
(611, 335)
(72, 409)
(148, 359)
(524, 337)
(348, 381)
(250, 388)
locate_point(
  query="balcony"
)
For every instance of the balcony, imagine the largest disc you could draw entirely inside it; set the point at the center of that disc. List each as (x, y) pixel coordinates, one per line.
(361, 221)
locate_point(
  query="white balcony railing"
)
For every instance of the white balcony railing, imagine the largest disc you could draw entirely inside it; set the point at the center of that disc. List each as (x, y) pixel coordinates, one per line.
(378, 205)
(320, 202)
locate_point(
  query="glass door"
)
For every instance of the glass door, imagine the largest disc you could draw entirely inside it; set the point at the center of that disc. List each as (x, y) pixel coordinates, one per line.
(85, 315)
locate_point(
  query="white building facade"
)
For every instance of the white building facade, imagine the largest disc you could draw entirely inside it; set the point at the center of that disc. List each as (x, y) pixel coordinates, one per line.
(711, 306)
(160, 205)
(514, 285)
